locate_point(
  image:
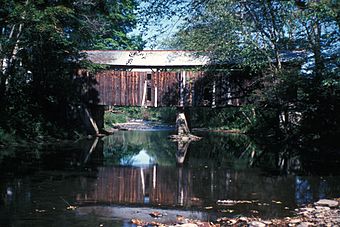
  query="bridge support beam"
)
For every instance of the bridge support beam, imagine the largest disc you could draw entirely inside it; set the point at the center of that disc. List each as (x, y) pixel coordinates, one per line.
(93, 119)
(182, 87)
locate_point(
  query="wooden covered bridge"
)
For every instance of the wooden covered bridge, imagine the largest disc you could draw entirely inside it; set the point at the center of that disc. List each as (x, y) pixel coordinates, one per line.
(154, 78)
(158, 78)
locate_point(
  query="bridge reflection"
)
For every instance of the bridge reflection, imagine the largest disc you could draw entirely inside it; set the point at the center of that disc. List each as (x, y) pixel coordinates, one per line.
(139, 168)
(192, 188)
(142, 185)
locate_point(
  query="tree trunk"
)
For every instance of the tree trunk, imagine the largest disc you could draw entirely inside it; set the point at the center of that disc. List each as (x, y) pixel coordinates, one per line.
(317, 49)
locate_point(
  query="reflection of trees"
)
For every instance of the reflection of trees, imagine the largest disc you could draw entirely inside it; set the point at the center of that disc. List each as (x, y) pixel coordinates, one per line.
(309, 189)
(161, 148)
(216, 149)
(221, 150)
(241, 151)
(122, 146)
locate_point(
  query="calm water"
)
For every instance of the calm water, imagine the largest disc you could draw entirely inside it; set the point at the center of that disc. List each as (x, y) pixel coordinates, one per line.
(111, 180)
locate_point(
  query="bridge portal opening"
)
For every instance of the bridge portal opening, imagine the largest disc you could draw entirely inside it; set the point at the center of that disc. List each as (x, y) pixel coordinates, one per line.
(148, 76)
(148, 94)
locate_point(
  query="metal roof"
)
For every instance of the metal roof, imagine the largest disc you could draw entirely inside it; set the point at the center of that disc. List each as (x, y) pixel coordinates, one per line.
(169, 58)
(147, 58)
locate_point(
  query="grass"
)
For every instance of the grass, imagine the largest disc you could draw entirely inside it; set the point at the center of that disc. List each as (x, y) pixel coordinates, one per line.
(124, 114)
(113, 118)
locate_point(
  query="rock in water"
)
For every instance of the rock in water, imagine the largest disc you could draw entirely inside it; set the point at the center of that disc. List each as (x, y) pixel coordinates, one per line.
(305, 224)
(257, 224)
(327, 202)
(188, 225)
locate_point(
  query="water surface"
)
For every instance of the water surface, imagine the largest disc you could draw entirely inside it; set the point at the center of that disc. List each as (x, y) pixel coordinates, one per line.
(111, 180)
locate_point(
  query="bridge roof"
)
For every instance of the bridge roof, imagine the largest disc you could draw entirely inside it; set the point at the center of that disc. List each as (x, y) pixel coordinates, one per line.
(168, 58)
(147, 58)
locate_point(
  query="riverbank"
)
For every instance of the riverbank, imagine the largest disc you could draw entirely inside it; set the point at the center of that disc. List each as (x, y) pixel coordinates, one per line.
(325, 212)
(322, 213)
(141, 125)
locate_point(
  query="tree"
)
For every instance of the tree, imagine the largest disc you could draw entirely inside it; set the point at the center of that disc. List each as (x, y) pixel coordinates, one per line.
(40, 46)
(255, 35)
(109, 23)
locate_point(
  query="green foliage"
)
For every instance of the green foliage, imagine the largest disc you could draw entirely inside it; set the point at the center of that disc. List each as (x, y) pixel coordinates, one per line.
(162, 114)
(40, 44)
(123, 114)
(113, 118)
(287, 101)
(112, 21)
(232, 118)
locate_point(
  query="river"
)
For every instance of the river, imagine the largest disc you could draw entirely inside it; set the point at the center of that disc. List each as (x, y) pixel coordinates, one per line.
(109, 181)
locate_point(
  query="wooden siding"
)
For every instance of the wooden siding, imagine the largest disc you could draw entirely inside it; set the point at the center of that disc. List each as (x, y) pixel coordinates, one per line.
(126, 88)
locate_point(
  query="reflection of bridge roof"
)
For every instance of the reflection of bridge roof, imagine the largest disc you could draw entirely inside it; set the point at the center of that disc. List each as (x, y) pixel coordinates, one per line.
(147, 58)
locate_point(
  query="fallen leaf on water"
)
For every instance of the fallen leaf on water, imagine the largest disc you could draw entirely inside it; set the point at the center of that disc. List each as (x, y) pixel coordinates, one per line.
(156, 214)
(40, 211)
(243, 219)
(157, 224)
(71, 207)
(137, 222)
(245, 201)
(227, 211)
(295, 220)
(233, 202)
(179, 217)
(205, 224)
(232, 221)
(277, 202)
(226, 202)
(263, 204)
(222, 219)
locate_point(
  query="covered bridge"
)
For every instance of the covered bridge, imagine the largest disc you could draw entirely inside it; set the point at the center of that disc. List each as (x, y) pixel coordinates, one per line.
(162, 78)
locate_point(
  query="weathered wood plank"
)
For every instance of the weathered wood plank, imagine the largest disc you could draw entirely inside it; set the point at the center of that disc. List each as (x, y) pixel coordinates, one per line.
(125, 88)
